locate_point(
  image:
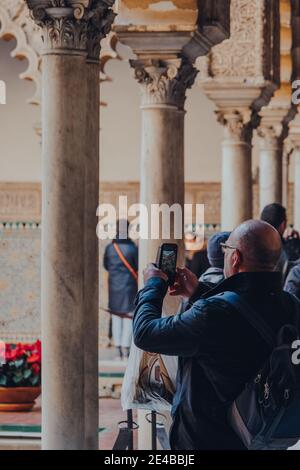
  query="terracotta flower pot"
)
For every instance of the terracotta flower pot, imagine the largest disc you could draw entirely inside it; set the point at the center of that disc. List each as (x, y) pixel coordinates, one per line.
(18, 398)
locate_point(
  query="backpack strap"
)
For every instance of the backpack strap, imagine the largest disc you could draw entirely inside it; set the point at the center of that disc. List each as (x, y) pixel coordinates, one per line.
(255, 320)
(126, 262)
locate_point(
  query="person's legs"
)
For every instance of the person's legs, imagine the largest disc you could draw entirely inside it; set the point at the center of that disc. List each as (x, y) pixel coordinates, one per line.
(126, 336)
(110, 335)
(117, 333)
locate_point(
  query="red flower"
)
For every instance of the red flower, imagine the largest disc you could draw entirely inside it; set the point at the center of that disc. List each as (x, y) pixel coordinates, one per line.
(32, 352)
(34, 358)
(36, 368)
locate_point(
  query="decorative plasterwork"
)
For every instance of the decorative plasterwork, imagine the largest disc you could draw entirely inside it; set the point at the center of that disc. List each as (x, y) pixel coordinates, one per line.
(243, 71)
(294, 125)
(247, 54)
(276, 116)
(15, 23)
(20, 202)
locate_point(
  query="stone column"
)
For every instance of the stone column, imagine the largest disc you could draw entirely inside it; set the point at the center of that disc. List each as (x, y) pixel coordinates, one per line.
(271, 166)
(236, 169)
(297, 187)
(99, 26)
(163, 87)
(69, 165)
(285, 176)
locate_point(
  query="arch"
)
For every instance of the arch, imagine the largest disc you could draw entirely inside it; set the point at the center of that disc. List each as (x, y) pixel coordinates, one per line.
(10, 29)
(12, 26)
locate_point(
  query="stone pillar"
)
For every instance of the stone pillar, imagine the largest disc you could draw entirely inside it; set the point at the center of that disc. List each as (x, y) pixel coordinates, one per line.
(285, 176)
(271, 166)
(236, 169)
(164, 73)
(98, 27)
(70, 180)
(297, 187)
(294, 140)
(163, 86)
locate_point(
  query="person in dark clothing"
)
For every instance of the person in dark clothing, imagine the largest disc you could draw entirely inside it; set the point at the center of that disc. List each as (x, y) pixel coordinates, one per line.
(276, 215)
(199, 263)
(292, 284)
(215, 273)
(121, 262)
(219, 352)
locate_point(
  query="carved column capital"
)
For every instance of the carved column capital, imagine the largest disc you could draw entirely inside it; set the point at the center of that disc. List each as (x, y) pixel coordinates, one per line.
(164, 82)
(72, 26)
(271, 136)
(237, 124)
(99, 27)
(294, 133)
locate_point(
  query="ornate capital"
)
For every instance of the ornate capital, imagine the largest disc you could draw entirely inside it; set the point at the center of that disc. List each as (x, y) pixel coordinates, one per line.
(271, 136)
(99, 27)
(294, 132)
(237, 124)
(72, 26)
(164, 82)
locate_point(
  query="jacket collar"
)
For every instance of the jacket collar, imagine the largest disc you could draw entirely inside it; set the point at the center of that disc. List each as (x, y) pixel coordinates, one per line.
(122, 241)
(243, 282)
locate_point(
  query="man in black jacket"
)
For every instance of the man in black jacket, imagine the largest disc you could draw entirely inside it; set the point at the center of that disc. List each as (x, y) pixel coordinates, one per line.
(292, 284)
(219, 352)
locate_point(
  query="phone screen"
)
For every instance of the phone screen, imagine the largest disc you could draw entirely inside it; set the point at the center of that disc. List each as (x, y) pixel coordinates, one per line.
(168, 261)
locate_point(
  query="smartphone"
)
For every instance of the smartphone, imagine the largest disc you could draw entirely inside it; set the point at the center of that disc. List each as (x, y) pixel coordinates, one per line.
(167, 260)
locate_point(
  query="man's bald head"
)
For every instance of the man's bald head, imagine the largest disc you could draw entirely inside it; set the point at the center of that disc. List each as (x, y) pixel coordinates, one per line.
(258, 248)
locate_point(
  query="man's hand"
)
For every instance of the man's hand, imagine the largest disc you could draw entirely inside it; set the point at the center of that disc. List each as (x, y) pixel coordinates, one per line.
(152, 271)
(186, 283)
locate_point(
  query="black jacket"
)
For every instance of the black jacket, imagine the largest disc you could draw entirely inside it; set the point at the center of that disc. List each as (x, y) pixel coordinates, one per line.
(122, 285)
(292, 284)
(219, 352)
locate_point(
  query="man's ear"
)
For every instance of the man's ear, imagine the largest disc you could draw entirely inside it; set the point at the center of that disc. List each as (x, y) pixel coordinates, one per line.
(282, 228)
(236, 259)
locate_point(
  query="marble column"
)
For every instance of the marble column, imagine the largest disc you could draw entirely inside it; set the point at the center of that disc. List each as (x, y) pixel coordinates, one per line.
(99, 26)
(271, 166)
(69, 180)
(163, 88)
(297, 187)
(236, 169)
(285, 176)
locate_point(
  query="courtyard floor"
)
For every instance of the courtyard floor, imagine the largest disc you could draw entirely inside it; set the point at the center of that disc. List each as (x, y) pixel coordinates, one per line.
(26, 425)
